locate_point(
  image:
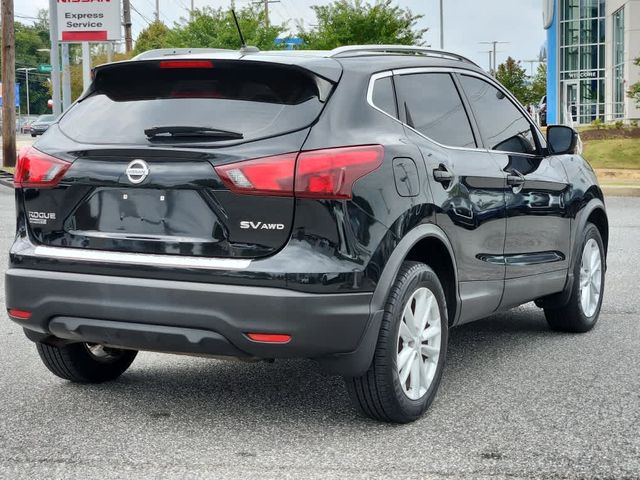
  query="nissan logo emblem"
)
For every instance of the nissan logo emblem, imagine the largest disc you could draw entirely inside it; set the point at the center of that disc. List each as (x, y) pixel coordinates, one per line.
(137, 171)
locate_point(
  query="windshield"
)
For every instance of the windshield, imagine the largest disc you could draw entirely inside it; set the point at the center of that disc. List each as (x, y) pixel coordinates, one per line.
(46, 118)
(252, 100)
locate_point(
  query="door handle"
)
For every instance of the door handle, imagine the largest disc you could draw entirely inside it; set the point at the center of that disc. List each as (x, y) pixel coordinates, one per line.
(515, 179)
(442, 175)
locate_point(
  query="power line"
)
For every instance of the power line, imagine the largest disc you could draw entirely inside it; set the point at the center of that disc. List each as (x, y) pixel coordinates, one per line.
(141, 15)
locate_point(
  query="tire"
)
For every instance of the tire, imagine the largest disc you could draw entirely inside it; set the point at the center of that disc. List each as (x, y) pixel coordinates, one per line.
(33, 135)
(575, 317)
(77, 363)
(379, 393)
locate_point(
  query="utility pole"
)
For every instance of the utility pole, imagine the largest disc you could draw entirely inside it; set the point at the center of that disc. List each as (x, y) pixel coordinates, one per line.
(266, 9)
(441, 25)
(8, 86)
(192, 9)
(55, 56)
(126, 17)
(26, 81)
(495, 44)
(157, 10)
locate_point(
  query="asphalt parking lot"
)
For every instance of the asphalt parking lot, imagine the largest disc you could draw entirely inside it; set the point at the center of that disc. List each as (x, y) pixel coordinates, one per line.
(517, 400)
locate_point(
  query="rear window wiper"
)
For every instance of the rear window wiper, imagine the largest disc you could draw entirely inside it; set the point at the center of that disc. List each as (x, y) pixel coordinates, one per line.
(186, 131)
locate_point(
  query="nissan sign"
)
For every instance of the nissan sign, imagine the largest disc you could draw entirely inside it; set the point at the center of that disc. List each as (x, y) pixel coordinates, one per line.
(88, 20)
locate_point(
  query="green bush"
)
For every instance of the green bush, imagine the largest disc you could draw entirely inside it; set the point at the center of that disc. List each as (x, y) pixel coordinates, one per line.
(597, 123)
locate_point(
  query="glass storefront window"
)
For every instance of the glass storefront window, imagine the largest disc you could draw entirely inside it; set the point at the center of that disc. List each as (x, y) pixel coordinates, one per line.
(589, 31)
(589, 8)
(582, 59)
(571, 33)
(570, 58)
(589, 57)
(571, 9)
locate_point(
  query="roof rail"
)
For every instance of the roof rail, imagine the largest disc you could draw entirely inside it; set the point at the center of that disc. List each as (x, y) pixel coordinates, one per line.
(167, 52)
(403, 49)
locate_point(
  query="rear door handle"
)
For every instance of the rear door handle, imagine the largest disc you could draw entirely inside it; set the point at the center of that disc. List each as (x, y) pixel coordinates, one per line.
(515, 179)
(442, 175)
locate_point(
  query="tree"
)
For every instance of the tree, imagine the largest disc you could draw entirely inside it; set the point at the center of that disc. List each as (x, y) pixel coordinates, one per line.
(354, 22)
(215, 28)
(538, 86)
(156, 35)
(514, 78)
(212, 28)
(634, 90)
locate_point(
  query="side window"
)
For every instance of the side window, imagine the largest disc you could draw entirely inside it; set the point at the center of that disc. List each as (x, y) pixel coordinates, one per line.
(383, 96)
(501, 123)
(432, 106)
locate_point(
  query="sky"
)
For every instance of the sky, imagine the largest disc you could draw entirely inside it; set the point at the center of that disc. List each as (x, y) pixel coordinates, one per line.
(466, 22)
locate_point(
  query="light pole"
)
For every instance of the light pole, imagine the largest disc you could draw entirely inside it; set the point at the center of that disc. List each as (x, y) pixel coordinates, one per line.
(441, 25)
(26, 74)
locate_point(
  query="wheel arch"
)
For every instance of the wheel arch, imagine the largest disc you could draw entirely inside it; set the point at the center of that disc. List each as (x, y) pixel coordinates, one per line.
(599, 218)
(426, 243)
(594, 212)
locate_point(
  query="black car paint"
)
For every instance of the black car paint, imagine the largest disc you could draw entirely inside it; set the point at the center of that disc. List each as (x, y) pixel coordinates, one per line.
(351, 246)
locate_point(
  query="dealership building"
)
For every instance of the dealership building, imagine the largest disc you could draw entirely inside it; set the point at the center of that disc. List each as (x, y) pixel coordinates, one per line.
(591, 45)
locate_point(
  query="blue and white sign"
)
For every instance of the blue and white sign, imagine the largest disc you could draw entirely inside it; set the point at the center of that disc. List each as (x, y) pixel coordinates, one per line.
(17, 93)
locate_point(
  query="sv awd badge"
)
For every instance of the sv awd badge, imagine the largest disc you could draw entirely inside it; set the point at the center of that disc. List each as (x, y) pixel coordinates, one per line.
(137, 171)
(247, 225)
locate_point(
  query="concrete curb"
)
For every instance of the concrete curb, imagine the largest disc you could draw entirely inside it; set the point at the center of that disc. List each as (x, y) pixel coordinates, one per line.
(6, 179)
(621, 190)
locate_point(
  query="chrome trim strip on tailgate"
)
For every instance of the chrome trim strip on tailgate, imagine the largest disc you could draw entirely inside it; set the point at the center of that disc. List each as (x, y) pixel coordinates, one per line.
(180, 261)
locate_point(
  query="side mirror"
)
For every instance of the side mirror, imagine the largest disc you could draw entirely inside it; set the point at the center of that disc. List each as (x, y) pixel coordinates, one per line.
(562, 139)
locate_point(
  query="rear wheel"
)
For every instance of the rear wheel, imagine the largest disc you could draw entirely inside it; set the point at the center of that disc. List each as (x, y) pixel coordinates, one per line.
(581, 313)
(85, 362)
(410, 354)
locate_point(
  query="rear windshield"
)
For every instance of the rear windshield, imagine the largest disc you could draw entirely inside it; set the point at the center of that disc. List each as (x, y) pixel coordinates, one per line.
(256, 100)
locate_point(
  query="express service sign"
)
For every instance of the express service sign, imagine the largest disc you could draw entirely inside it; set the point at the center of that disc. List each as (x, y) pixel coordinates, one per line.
(88, 20)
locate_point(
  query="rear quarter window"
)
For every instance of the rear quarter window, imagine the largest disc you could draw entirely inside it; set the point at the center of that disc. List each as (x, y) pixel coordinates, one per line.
(384, 97)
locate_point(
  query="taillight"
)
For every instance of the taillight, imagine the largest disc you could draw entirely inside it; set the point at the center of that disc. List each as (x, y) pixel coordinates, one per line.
(36, 169)
(186, 64)
(262, 176)
(326, 174)
(331, 173)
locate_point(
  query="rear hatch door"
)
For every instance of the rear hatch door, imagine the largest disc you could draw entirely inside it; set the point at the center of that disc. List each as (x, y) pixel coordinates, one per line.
(142, 149)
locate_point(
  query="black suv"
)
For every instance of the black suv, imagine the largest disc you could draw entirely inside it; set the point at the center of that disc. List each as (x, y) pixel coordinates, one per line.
(348, 206)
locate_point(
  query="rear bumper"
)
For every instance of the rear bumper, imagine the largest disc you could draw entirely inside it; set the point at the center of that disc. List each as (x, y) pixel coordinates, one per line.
(191, 317)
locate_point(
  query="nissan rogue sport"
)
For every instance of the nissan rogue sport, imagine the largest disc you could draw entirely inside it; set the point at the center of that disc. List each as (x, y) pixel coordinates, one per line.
(348, 206)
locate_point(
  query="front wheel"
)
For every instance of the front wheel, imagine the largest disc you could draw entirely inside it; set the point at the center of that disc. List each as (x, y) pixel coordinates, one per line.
(85, 362)
(405, 373)
(581, 313)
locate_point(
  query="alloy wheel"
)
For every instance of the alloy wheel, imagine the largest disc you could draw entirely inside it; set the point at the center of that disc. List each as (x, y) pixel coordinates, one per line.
(419, 342)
